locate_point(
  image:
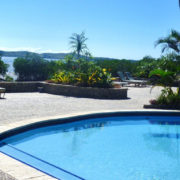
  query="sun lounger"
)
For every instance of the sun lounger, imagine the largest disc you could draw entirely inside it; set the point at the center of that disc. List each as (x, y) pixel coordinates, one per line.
(139, 82)
(118, 83)
(2, 91)
(135, 82)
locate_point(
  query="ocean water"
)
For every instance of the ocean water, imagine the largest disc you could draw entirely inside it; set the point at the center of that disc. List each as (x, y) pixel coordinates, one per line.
(103, 149)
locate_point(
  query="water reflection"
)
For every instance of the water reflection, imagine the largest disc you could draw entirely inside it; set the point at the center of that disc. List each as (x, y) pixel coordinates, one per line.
(164, 137)
(85, 126)
(78, 137)
(163, 122)
(74, 128)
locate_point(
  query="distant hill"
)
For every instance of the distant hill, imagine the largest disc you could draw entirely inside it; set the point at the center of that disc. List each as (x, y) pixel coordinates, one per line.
(45, 55)
(24, 53)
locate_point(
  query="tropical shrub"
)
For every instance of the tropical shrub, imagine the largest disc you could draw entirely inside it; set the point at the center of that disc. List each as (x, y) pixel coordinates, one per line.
(9, 78)
(64, 77)
(3, 67)
(82, 73)
(113, 66)
(144, 66)
(169, 62)
(68, 64)
(167, 96)
(99, 78)
(34, 68)
(163, 78)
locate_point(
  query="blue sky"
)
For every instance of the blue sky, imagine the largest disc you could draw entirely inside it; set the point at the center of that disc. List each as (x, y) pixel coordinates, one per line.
(115, 28)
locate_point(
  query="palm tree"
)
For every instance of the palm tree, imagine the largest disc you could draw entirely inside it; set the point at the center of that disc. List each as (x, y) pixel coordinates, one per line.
(78, 43)
(172, 41)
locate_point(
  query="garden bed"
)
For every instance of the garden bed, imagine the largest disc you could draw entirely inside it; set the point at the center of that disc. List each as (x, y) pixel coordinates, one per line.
(66, 90)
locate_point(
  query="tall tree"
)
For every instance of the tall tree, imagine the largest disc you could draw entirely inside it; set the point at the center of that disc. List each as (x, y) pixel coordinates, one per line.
(172, 41)
(78, 44)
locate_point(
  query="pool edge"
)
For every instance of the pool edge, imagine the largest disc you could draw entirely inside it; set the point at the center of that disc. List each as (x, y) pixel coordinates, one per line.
(23, 126)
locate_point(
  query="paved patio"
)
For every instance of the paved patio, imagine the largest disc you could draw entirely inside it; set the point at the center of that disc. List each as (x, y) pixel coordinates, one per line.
(22, 106)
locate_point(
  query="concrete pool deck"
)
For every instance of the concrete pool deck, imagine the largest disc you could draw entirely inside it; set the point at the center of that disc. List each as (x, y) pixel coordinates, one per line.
(24, 106)
(19, 109)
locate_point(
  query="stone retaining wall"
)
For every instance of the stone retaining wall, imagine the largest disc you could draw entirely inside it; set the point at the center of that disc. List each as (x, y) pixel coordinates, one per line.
(89, 92)
(20, 86)
(66, 90)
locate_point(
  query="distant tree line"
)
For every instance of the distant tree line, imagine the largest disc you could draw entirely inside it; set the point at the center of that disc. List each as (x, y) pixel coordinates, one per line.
(34, 68)
(3, 67)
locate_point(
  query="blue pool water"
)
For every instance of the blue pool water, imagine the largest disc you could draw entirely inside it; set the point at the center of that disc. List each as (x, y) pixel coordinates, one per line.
(113, 148)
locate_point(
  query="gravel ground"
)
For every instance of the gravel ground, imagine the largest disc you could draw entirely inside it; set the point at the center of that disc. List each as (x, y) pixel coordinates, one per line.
(22, 106)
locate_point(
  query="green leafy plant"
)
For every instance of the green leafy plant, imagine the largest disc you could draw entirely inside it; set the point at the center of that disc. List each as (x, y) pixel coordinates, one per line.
(9, 78)
(64, 77)
(100, 78)
(34, 68)
(3, 67)
(83, 73)
(164, 78)
(113, 66)
(167, 96)
(144, 66)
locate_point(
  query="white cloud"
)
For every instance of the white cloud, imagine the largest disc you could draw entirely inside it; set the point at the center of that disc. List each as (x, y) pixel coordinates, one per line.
(30, 49)
(21, 49)
(53, 51)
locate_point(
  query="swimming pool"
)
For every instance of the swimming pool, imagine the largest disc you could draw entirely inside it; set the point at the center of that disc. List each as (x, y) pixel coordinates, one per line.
(134, 147)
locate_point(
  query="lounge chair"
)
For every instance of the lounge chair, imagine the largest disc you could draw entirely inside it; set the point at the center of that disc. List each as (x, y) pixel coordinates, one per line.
(135, 82)
(129, 77)
(2, 91)
(119, 83)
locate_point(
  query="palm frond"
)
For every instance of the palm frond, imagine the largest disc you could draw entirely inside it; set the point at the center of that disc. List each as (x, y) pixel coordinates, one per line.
(162, 40)
(164, 48)
(77, 42)
(175, 35)
(72, 38)
(171, 41)
(72, 42)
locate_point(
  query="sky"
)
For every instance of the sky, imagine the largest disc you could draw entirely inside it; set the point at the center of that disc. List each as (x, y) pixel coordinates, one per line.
(114, 28)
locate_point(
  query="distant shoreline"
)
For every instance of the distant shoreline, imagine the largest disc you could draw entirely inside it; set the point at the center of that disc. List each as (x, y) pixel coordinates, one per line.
(57, 56)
